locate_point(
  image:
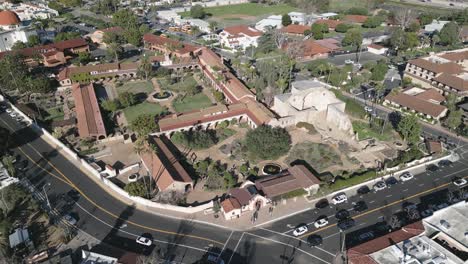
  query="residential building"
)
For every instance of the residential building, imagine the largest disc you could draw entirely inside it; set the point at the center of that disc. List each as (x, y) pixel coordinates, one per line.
(355, 19)
(328, 15)
(311, 101)
(270, 22)
(88, 114)
(19, 236)
(51, 55)
(202, 25)
(295, 30)
(299, 18)
(435, 25)
(12, 30)
(425, 103)
(332, 24)
(98, 35)
(434, 146)
(169, 46)
(29, 11)
(377, 49)
(89, 257)
(239, 37)
(165, 168)
(97, 73)
(316, 49)
(294, 178)
(445, 71)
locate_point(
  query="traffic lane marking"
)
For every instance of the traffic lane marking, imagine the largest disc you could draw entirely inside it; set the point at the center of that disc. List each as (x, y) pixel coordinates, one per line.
(235, 249)
(94, 203)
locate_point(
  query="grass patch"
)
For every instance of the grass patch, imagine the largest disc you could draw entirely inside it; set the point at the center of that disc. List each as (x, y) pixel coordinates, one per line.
(54, 114)
(352, 108)
(224, 133)
(187, 81)
(318, 156)
(435, 10)
(354, 179)
(248, 9)
(144, 108)
(190, 103)
(343, 5)
(88, 151)
(136, 87)
(292, 194)
(365, 131)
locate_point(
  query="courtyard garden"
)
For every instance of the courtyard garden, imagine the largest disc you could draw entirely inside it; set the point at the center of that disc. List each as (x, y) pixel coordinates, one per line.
(132, 112)
(319, 156)
(135, 87)
(185, 103)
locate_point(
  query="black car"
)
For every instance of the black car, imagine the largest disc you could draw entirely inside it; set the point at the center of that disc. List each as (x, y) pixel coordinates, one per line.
(314, 240)
(360, 206)
(363, 190)
(444, 163)
(346, 223)
(322, 204)
(391, 181)
(342, 214)
(432, 168)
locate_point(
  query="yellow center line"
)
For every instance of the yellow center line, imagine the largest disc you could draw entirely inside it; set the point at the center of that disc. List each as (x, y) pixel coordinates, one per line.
(379, 208)
(70, 183)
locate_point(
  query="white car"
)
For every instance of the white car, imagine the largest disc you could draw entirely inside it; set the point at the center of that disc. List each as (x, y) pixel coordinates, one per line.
(321, 223)
(300, 230)
(9, 110)
(12, 114)
(459, 182)
(144, 241)
(368, 109)
(70, 219)
(349, 62)
(340, 198)
(380, 186)
(406, 176)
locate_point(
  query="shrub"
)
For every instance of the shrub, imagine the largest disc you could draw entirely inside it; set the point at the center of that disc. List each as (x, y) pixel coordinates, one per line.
(266, 142)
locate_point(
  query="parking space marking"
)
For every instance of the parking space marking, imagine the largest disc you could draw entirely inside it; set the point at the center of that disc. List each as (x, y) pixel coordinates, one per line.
(372, 202)
(388, 196)
(421, 185)
(437, 179)
(405, 190)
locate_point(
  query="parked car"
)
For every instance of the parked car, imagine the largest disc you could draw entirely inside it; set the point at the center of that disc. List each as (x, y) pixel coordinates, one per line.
(427, 213)
(391, 181)
(459, 182)
(380, 186)
(349, 62)
(314, 240)
(300, 230)
(144, 241)
(321, 222)
(368, 109)
(340, 198)
(346, 223)
(322, 204)
(366, 236)
(360, 206)
(432, 168)
(363, 190)
(342, 214)
(406, 176)
(444, 163)
(70, 219)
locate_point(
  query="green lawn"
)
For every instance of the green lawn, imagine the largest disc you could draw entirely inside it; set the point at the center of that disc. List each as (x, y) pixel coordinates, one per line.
(247, 9)
(144, 108)
(178, 86)
(136, 87)
(55, 114)
(189, 103)
(365, 131)
(342, 5)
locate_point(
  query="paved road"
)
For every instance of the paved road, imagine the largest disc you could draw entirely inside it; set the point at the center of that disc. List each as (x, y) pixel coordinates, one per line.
(113, 222)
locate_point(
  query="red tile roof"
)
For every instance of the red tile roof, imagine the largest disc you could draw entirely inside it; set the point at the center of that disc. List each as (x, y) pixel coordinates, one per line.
(180, 47)
(449, 67)
(295, 29)
(431, 95)
(417, 104)
(230, 204)
(355, 19)
(360, 254)
(87, 111)
(312, 48)
(60, 46)
(329, 22)
(452, 81)
(242, 30)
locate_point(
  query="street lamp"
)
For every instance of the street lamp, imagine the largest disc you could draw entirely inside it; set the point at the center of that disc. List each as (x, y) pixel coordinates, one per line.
(45, 193)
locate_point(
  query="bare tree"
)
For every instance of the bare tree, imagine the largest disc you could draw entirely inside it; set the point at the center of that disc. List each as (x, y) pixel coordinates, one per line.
(279, 38)
(413, 214)
(395, 222)
(404, 17)
(462, 193)
(450, 197)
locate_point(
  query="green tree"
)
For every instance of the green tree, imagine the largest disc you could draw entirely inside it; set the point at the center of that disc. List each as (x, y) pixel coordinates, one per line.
(124, 18)
(372, 22)
(410, 129)
(133, 35)
(411, 40)
(286, 20)
(353, 37)
(379, 71)
(455, 119)
(33, 40)
(144, 125)
(84, 57)
(449, 34)
(127, 99)
(266, 142)
(7, 161)
(197, 11)
(110, 105)
(229, 180)
(414, 27)
(144, 28)
(18, 45)
(145, 68)
(426, 18)
(342, 28)
(136, 189)
(358, 11)
(62, 36)
(397, 39)
(115, 50)
(317, 30)
(219, 96)
(112, 37)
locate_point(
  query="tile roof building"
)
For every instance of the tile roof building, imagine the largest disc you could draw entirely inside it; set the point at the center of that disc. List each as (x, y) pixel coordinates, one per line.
(99, 72)
(329, 22)
(316, 49)
(446, 72)
(241, 200)
(294, 178)
(88, 114)
(98, 35)
(239, 37)
(167, 45)
(164, 166)
(355, 19)
(295, 30)
(422, 102)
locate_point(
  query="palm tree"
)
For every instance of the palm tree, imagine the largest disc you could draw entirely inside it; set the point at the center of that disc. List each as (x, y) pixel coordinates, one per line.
(139, 148)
